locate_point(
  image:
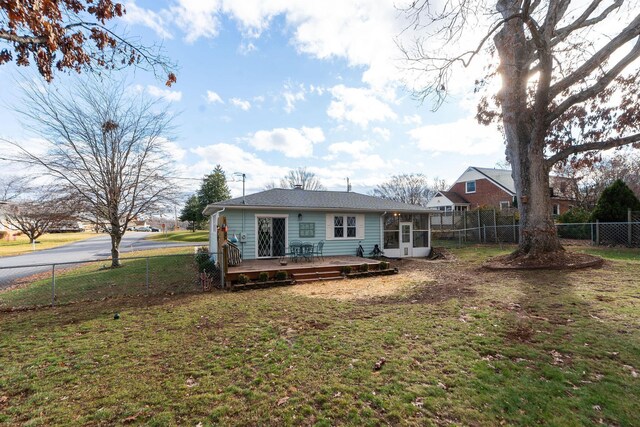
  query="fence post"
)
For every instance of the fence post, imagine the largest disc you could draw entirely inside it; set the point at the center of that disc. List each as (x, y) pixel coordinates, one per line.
(597, 232)
(147, 274)
(484, 232)
(514, 228)
(53, 285)
(629, 227)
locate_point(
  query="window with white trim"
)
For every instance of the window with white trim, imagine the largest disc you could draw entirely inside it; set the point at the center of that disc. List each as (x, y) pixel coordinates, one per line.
(345, 226)
(470, 187)
(505, 205)
(556, 209)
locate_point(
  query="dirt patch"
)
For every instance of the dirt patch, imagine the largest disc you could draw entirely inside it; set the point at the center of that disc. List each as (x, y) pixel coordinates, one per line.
(418, 281)
(352, 289)
(553, 261)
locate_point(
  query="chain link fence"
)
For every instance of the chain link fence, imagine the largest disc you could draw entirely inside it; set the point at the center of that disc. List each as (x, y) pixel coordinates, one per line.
(29, 286)
(490, 226)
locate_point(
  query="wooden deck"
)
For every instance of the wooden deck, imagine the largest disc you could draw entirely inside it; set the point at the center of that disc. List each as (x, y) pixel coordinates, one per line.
(301, 271)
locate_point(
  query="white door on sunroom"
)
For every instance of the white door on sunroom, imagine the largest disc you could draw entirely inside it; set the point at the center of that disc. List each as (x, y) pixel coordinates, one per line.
(406, 239)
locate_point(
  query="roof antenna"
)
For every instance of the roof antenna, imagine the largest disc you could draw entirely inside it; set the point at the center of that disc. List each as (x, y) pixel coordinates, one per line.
(348, 185)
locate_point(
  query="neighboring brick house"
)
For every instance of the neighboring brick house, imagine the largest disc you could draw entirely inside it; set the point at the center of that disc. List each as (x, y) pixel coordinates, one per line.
(486, 187)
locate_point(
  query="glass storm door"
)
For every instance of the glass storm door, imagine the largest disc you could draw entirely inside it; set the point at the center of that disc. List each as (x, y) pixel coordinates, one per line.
(406, 239)
(271, 237)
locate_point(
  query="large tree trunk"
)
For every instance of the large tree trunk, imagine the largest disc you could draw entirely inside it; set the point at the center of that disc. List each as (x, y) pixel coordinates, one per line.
(525, 142)
(116, 237)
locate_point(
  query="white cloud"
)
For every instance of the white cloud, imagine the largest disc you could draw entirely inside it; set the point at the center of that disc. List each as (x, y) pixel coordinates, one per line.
(234, 159)
(291, 142)
(292, 95)
(464, 136)
(196, 18)
(354, 148)
(244, 105)
(213, 97)
(166, 94)
(358, 105)
(147, 18)
(246, 48)
(413, 119)
(383, 133)
(362, 33)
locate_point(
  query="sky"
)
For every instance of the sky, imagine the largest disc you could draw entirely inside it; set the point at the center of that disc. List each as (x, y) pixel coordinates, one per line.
(266, 86)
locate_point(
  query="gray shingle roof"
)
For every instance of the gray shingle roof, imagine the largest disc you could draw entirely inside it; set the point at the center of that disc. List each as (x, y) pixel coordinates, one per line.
(305, 199)
(454, 197)
(500, 176)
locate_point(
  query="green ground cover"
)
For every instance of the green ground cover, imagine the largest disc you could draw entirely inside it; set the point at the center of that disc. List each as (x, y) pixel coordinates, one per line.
(169, 270)
(46, 241)
(181, 236)
(460, 346)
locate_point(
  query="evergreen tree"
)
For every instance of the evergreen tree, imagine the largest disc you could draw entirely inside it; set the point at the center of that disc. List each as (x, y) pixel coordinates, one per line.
(192, 212)
(214, 188)
(615, 202)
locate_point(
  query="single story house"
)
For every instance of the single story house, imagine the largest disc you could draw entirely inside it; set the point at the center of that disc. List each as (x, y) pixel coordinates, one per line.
(264, 223)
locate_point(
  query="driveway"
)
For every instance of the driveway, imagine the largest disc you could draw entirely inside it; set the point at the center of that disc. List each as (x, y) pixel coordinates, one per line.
(85, 250)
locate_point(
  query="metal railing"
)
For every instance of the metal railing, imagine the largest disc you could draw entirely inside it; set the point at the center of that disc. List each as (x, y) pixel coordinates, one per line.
(28, 286)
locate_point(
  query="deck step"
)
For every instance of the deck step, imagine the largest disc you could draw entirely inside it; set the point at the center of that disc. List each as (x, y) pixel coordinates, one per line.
(311, 274)
(318, 279)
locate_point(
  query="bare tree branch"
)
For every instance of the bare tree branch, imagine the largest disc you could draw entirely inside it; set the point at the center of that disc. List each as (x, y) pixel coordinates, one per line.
(591, 146)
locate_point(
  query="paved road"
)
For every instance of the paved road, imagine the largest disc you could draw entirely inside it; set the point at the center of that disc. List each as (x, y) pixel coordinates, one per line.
(84, 250)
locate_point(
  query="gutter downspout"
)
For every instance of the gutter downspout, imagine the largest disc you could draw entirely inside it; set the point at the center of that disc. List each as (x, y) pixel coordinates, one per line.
(382, 231)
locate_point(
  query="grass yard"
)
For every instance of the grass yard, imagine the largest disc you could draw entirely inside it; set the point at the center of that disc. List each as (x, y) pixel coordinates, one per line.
(170, 270)
(453, 344)
(46, 241)
(181, 236)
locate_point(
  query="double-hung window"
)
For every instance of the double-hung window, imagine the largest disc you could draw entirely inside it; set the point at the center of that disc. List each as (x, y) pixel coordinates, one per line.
(345, 226)
(470, 187)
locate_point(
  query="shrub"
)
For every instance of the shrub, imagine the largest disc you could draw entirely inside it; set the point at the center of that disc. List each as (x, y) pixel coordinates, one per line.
(364, 267)
(263, 276)
(614, 202)
(346, 269)
(575, 215)
(202, 259)
(281, 275)
(384, 265)
(243, 278)
(3, 234)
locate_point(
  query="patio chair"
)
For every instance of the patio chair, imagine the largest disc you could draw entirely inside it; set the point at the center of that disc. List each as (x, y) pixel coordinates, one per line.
(306, 251)
(295, 250)
(291, 254)
(318, 250)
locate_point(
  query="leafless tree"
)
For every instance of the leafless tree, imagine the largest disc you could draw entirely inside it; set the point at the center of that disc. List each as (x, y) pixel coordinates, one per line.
(409, 188)
(302, 177)
(12, 187)
(33, 216)
(566, 91)
(590, 180)
(106, 144)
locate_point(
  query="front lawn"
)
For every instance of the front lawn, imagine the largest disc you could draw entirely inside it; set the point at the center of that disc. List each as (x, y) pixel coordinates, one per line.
(453, 345)
(169, 270)
(181, 236)
(51, 240)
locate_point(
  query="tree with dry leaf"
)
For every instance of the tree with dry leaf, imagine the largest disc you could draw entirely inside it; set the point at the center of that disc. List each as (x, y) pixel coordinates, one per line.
(569, 88)
(72, 35)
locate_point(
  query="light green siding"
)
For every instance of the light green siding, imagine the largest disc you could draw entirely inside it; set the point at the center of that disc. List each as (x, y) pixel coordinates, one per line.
(331, 247)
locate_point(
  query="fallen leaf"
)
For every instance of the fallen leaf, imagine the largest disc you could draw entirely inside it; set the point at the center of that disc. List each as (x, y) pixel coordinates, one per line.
(191, 382)
(379, 364)
(283, 400)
